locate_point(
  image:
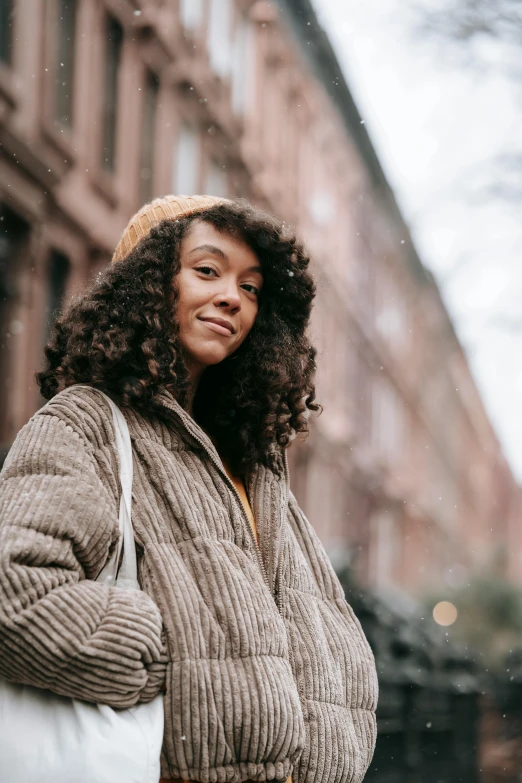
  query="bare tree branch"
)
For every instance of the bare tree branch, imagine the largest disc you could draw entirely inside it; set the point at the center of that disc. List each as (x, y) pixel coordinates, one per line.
(465, 25)
(464, 20)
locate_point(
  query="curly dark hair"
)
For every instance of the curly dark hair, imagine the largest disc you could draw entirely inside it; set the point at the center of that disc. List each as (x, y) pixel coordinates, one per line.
(122, 336)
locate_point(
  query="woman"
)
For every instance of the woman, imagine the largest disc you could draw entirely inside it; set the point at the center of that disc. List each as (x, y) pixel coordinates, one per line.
(198, 331)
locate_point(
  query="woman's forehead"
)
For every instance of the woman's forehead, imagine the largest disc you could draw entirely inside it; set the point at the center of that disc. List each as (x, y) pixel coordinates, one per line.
(205, 239)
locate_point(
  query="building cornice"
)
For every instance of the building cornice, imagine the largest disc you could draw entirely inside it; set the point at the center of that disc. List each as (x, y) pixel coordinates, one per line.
(322, 60)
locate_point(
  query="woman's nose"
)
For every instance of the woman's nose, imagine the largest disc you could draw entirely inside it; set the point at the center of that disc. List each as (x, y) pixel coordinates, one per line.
(229, 297)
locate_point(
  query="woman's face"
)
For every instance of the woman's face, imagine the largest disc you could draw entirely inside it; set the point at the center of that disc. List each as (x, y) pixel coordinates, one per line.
(219, 284)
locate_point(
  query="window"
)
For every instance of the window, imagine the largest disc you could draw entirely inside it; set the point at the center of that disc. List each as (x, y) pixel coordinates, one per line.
(387, 421)
(440, 491)
(219, 36)
(191, 13)
(322, 207)
(216, 181)
(150, 105)
(58, 274)
(114, 41)
(15, 234)
(65, 62)
(186, 175)
(243, 59)
(385, 547)
(391, 311)
(391, 322)
(6, 30)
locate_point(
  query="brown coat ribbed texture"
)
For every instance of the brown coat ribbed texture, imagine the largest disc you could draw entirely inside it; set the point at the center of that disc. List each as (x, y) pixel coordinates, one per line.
(265, 676)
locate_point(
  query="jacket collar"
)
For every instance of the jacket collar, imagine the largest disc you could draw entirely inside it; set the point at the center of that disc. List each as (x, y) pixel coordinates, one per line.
(195, 433)
(189, 426)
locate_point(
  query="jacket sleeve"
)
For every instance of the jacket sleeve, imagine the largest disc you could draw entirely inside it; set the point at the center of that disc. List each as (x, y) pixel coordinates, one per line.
(59, 629)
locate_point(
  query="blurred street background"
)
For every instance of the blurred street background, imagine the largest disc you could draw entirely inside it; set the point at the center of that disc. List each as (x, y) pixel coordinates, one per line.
(386, 133)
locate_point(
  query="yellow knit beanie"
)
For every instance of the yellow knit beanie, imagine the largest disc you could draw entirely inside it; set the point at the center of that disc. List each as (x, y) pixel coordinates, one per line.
(167, 208)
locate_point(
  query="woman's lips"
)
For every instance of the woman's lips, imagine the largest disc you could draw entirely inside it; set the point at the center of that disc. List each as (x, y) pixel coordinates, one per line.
(217, 328)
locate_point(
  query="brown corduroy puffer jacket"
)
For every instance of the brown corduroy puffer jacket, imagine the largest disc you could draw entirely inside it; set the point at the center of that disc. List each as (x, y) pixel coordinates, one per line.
(266, 669)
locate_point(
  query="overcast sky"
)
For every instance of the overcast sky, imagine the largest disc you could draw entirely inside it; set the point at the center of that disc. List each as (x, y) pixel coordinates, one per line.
(437, 126)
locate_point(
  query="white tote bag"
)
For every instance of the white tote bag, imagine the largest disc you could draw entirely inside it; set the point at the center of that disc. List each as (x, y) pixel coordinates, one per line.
(49, 738)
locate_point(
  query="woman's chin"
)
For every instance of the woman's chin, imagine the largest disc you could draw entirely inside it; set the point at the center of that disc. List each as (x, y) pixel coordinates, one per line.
(209, 358)
(206, 353)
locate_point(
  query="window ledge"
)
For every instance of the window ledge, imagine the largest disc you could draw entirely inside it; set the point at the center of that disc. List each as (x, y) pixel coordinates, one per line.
(61, 139)
(8, 88)
(103, 183)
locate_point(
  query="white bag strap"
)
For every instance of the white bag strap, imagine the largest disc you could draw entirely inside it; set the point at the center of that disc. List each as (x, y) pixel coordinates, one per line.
(127, 576)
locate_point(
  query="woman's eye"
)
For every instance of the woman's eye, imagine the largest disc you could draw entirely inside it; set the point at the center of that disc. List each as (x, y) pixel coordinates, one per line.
(251, 289)
(208, 271)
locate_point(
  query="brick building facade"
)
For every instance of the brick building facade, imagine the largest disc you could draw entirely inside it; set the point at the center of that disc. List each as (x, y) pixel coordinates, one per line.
(107, 103)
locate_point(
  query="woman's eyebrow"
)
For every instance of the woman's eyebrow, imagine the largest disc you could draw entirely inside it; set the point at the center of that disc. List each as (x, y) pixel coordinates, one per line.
(212, 249)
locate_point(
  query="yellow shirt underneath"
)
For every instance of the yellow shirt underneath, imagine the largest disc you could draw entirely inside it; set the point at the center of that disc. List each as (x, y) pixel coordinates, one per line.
(239, 484)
